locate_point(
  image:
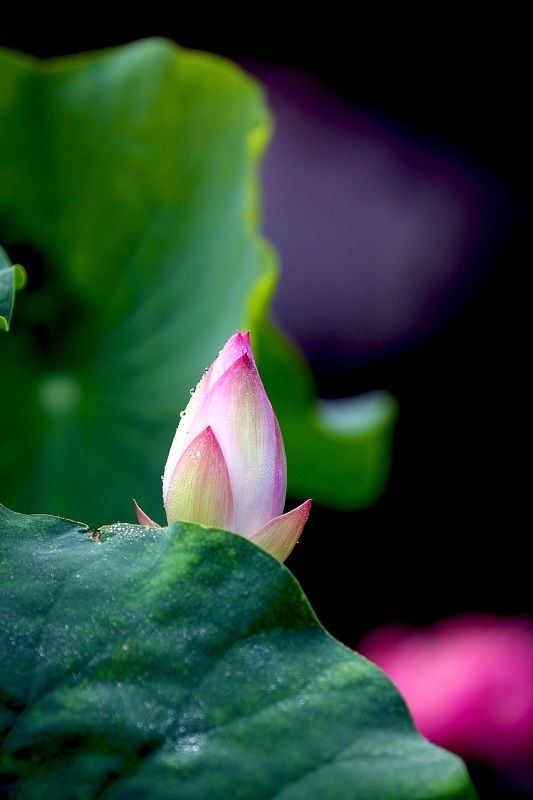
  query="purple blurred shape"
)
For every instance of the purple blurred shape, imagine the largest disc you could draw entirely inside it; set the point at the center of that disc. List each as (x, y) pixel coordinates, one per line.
(381, 232)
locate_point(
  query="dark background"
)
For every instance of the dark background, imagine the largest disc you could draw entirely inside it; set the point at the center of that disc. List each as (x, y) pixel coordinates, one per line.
(448, 534)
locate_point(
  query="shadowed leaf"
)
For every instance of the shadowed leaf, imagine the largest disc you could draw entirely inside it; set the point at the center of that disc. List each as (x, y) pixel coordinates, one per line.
(186, 662)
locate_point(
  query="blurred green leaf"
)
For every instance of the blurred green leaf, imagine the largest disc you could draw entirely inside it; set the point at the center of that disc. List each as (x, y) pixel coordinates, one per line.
(129, 183)
(186, 662)
(12, 277)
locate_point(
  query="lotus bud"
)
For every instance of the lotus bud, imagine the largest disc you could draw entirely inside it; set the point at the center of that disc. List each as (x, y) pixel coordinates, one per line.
(226, 467)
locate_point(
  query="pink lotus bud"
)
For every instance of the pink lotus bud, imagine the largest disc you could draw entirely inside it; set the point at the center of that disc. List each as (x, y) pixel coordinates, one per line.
(226, 466)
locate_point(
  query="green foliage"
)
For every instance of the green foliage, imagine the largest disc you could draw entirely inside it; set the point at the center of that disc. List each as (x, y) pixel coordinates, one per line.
(130, 177)
(185, 662)
(12, 277)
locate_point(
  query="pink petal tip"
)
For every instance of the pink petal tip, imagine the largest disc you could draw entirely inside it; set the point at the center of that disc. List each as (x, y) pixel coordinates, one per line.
(143, 518)
(279, 536)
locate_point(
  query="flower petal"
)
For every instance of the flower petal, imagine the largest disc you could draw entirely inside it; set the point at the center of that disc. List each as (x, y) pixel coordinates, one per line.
(143, 518)
(279, 489)
(200, 489)
(245, 425)
(281, 534)
(235, 347)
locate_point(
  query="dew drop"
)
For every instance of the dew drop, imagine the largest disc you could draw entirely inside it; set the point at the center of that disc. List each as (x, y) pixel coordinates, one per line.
(182, 414)
(192, 391)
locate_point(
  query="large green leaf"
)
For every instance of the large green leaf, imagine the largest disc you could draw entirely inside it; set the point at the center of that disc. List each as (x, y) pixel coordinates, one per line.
(185, 662)
(132, 175)
(12, 277)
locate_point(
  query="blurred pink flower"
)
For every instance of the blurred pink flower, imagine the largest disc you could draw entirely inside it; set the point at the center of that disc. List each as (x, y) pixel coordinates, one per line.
(468, 682)
(226, 466)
